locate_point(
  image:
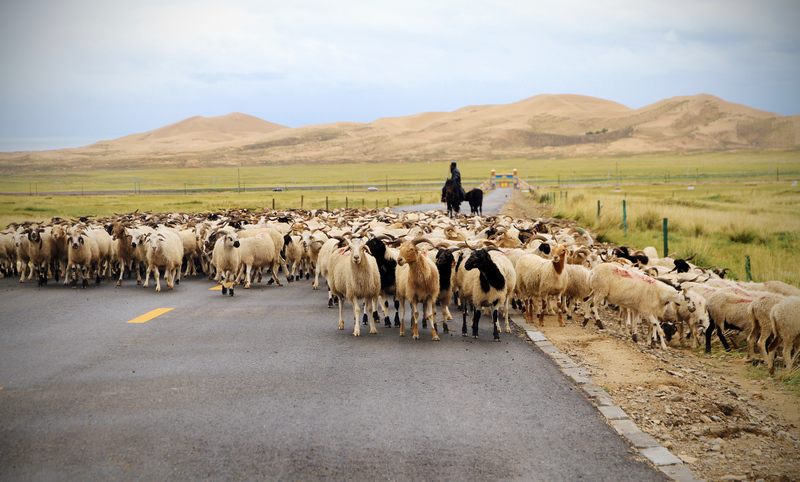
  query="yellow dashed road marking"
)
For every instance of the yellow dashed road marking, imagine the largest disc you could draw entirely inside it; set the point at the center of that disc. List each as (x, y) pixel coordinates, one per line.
(150, 315)
(216, 288)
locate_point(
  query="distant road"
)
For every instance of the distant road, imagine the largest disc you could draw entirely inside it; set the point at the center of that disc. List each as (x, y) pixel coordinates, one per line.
(493, 202)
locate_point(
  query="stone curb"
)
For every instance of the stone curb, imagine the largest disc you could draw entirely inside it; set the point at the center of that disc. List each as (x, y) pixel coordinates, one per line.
(660, 457)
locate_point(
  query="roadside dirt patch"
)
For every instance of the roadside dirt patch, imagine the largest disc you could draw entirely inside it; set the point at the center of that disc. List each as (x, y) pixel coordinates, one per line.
(706, 409)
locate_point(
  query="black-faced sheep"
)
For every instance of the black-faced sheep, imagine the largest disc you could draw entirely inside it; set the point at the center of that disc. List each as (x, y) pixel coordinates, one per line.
(488, 280)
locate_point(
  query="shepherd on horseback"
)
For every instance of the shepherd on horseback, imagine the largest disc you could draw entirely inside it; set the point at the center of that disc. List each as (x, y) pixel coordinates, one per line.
(452, 192)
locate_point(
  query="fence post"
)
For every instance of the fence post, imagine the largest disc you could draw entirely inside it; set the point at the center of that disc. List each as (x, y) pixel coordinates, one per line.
(624, 220)
(346, 203)
(598, 209)
(666, 235)
(302, 200)
(273, 204)
(747, 271)
(326, 203)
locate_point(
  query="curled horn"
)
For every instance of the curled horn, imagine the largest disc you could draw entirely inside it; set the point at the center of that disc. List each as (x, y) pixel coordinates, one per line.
(342, 241)
(423, 239)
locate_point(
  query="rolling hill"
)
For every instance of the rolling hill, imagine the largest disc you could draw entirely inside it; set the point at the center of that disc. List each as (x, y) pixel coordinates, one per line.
(540, 126)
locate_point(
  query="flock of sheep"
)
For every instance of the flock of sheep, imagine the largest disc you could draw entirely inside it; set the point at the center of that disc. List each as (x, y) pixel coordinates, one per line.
(490, 264)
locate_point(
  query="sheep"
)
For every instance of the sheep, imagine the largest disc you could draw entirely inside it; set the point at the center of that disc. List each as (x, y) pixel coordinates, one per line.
(576, 290)
(728, 309)
(226, 259)
(139, 255)
(191, 250)
(417, 282)
(538, 278)
(353, 275)
(124, 250)
(445, 263)
(294, 255)
(82, 254)
(387, 266)
(785, 318)
(22, 246)
(697, 321)
(759, 313)
(7, 255)
(634, 291)
(164, 250)
(325, 254)
(42, 251)
(257, 252)
(488, 279)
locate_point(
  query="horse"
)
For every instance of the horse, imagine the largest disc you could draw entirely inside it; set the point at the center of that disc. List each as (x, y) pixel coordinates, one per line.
(453, 197)
(475, 200)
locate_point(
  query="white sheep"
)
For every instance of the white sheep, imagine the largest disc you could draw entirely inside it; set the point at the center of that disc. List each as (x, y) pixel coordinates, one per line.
(164, 251)
(257, 252)
(82, 254)
(226, 259)
(577, 289)
(538, 278)
(635, 291)
(759, 313)
(785, 317)
(353, 275)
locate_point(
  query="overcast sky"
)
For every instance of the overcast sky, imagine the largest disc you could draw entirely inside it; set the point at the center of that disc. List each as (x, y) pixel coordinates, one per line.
(74, 72)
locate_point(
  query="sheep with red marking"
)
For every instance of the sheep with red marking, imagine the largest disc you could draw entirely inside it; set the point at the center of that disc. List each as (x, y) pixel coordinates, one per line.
(634, 291)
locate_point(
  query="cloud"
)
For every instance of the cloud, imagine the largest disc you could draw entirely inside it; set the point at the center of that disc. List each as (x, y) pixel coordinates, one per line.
(360, 60)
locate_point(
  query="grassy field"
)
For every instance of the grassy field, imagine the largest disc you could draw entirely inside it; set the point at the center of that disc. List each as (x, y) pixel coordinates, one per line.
(742, 203)
(665, 168)
(722, 223)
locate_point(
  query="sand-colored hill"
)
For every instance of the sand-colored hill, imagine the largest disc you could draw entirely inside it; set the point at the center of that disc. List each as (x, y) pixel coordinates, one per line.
(540, 126)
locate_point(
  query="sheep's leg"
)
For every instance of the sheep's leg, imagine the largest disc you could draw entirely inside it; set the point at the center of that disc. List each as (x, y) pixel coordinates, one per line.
(375, 317)
(751, 342)
(428, 311)
(508, 325)
(248, 275)
(147, 277)
(659, 331)
(275, 273)
(447, 316)
(541, 313)
(476, 317)
(464, 325)
(396, 315)
(121, 272)
(560, 305)
(170, 277)
(315, 285)
(402, 317)
(767, 356)
(341, 315)
(157, 274)
(496, 324)
(356, 314)
(414, 322)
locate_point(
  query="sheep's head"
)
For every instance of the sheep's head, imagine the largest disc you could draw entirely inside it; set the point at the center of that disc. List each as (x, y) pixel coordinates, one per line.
(358, 250)
(410, 252)
(559, 253)
(76, 240)
(231, 240)
(478, 258)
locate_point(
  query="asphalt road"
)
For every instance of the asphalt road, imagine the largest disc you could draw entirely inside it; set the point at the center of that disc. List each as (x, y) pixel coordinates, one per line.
(264, 386)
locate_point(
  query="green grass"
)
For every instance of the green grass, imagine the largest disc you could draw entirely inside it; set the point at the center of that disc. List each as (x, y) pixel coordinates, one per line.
(719, 222)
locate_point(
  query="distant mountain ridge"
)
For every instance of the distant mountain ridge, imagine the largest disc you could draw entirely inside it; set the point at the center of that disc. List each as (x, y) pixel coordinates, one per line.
(564, 125)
